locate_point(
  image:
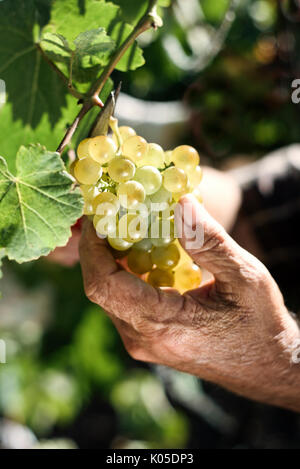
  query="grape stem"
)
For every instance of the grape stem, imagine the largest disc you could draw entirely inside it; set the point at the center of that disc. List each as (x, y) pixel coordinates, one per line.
(71, 130)
(149, 20)
(113, 123)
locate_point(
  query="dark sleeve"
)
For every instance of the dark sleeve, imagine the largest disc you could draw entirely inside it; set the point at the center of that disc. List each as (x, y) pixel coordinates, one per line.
(271, 202)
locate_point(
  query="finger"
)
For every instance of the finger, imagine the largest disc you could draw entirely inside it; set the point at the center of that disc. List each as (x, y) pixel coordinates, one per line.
(207, 242)
(119, 292)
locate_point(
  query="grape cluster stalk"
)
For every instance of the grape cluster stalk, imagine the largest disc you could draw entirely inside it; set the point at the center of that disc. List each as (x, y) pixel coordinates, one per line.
(130, 188)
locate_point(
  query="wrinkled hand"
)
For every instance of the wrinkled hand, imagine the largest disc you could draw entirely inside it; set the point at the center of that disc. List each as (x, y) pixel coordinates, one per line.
(234, 331)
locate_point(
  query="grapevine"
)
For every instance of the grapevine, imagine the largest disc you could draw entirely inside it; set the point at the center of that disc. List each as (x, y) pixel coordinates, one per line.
(121, 175)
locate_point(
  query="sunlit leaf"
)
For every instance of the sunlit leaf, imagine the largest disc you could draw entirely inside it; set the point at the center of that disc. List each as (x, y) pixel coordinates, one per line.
(37, 204)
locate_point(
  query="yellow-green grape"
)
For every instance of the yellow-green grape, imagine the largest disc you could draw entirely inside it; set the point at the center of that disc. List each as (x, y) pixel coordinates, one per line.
(82, 150)
(121, 169)
(89, 193)
(105, 226)
(132, 228)
(195, 176)
(119, 244)
(144, 245)
(161, 278)
(166, 258)
(168, 157)
(185, 157)
(102, 149)
(106, 204)
(162, 232)
(125, 133)
(155, 156)
(87, 171)
(161, 196)
(140, 262)
(184, 257)
(187, 277)
(71, 168)
(135, 148)
(175, 180)
(88, 209)
(131, 194)
(150, 178)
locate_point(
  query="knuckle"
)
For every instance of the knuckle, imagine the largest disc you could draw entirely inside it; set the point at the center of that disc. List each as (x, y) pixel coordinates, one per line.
(253, 272)
(214, 240)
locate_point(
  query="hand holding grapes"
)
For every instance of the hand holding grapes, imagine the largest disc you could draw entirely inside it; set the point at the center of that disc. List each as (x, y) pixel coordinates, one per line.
(234, 331)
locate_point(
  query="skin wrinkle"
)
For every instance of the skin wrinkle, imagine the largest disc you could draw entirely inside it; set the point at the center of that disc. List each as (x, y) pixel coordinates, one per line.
(235, 331)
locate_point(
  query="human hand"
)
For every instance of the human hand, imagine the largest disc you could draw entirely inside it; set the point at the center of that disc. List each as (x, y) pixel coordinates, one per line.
(234, 331)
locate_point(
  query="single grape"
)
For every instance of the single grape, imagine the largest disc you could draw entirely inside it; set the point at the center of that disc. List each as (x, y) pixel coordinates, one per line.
(135, 148)
(150, 178)
(144, 245)
(131, 194)
(82, 150)
(155, 156)
(89, 193)
(140, 262)
(184, 257)
(88, 209)
(121, 169)
(188, 276)
(105, 226)
(119, 244)
(133, 228)
(174, 179)
(162, 232)
(125, 133)
(185, 157)
(106, 204)
(102, 149)
(195, 177)
(161, 278)
(166, 258)
(87, 171)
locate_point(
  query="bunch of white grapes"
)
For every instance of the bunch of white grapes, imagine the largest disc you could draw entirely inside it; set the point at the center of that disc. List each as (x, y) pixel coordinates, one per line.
(130, 188)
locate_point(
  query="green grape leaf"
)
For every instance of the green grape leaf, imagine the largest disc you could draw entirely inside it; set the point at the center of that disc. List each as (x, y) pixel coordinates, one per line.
(32, 86)
(37, 205)
(91, 48)
(132, 10)
(72, 18)
(13, 133)
(38, 107)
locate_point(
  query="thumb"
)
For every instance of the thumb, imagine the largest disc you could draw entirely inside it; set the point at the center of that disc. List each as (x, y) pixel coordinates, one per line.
(206, 241)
